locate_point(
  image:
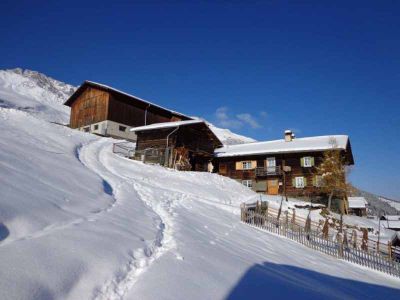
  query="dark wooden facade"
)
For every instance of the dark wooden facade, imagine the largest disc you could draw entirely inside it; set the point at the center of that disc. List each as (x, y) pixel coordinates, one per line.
(92, 103)
(197, 140)
(262, 176)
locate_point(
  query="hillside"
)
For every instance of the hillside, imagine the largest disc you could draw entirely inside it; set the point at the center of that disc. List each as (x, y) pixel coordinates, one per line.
(378, 205)
(78, 222)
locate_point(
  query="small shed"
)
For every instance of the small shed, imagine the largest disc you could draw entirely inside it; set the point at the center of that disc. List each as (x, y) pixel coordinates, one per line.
(357, 206)
(184, 145)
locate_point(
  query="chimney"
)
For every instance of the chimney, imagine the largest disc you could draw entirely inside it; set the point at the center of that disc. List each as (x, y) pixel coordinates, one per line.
(288, 135)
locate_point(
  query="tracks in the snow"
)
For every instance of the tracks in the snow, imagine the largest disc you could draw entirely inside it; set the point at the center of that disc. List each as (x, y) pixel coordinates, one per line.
(96, 156)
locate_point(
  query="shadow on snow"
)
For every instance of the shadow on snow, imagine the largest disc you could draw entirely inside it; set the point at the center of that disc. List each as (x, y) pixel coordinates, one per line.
(276, 281)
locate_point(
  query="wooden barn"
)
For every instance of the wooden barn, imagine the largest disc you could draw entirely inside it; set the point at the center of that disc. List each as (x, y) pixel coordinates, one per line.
(106, 111)
(184, 145)
(286, 166)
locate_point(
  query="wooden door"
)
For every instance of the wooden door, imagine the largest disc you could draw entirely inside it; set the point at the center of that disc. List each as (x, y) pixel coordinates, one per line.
(272, 186)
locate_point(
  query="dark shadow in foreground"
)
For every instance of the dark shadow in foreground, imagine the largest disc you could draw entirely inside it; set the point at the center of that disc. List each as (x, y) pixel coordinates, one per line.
(275, 281)
(4, 232)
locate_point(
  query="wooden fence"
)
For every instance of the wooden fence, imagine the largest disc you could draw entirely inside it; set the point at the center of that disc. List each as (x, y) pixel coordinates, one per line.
(338, 245)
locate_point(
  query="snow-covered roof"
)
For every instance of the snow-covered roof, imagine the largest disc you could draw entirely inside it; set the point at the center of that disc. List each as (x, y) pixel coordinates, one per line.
(106, 87)
(391, 224)
(392, 217)
(166, 125)
(308, 144)
(357, 202)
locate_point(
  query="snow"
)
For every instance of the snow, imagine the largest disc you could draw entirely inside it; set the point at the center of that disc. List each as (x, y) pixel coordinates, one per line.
(166, 125)
(79, 222)
(357, 202)
(227, 137)
(309, 144)
(393, 203)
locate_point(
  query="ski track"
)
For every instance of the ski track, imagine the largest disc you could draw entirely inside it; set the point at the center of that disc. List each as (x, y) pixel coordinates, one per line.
(94, 156)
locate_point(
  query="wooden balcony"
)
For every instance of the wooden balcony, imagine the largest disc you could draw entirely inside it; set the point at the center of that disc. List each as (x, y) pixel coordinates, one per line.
(268, 171)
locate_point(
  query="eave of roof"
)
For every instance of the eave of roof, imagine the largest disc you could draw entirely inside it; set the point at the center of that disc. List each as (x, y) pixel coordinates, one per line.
(176, 124)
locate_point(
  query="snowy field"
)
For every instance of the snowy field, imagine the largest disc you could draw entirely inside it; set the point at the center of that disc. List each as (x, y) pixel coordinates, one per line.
(79, 222)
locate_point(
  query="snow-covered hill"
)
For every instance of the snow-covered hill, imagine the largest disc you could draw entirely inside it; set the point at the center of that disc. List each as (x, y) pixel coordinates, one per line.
(78, 222)
(35, 93)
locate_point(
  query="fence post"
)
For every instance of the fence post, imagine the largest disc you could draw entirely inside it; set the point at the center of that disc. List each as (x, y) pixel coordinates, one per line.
(293, 218)
(390, 249)
(354, 238)
(325, 230)
(364, 245)
(340, 244)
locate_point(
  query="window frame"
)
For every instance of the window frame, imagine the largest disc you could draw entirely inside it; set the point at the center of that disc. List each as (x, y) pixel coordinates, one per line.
(296, 180)
(122, 126)
(246, 182)
(247, 163)
(307, 159)
(319, 180)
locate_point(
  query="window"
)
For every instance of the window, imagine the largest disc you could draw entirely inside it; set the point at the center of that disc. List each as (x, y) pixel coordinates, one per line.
(271, 164)
(248, 183)
(246, 165)
(96, 127)
(307, 161)
(299, 182)
(122, 128)
(318, 181)
(86, 129)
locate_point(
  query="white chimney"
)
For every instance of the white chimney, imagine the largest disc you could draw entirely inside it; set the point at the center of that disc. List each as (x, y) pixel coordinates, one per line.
(288, 135)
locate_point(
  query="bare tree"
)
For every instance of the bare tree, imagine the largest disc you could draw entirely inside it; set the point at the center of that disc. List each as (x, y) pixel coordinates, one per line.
(333, 172)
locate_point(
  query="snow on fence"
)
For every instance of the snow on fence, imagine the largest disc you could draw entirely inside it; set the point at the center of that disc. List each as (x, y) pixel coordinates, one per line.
(339, 246)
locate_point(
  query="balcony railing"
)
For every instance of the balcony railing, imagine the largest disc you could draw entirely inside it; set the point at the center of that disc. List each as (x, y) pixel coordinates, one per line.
(268, 171)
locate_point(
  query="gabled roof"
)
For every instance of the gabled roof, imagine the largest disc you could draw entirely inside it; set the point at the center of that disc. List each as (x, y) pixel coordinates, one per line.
(357, 202)
(107, 88)
(177, 124)
(308, 144)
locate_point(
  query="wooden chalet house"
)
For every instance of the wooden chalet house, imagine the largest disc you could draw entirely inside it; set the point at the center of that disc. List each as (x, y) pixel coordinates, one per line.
(184, 145)
(280, 166)
(106, 111)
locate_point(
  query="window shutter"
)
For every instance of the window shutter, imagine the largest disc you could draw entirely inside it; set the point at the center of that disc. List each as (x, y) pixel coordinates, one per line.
(305, 181)
(294, 182)
(302, 161)
(314, 180)
(253, 164)
(312, 161)
(239, 165)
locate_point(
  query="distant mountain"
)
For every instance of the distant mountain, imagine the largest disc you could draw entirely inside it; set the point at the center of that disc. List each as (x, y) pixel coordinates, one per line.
(44, 96)
(36, 93)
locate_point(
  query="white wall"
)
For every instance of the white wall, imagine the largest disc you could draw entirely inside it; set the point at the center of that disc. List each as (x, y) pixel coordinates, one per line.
(110, 128)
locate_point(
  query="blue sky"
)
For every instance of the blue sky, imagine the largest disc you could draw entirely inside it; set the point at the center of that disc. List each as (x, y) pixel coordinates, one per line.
(260, 68)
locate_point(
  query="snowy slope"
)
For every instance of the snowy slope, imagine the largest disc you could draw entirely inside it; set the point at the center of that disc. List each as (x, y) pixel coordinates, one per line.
(78, 222)
(35, 93)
